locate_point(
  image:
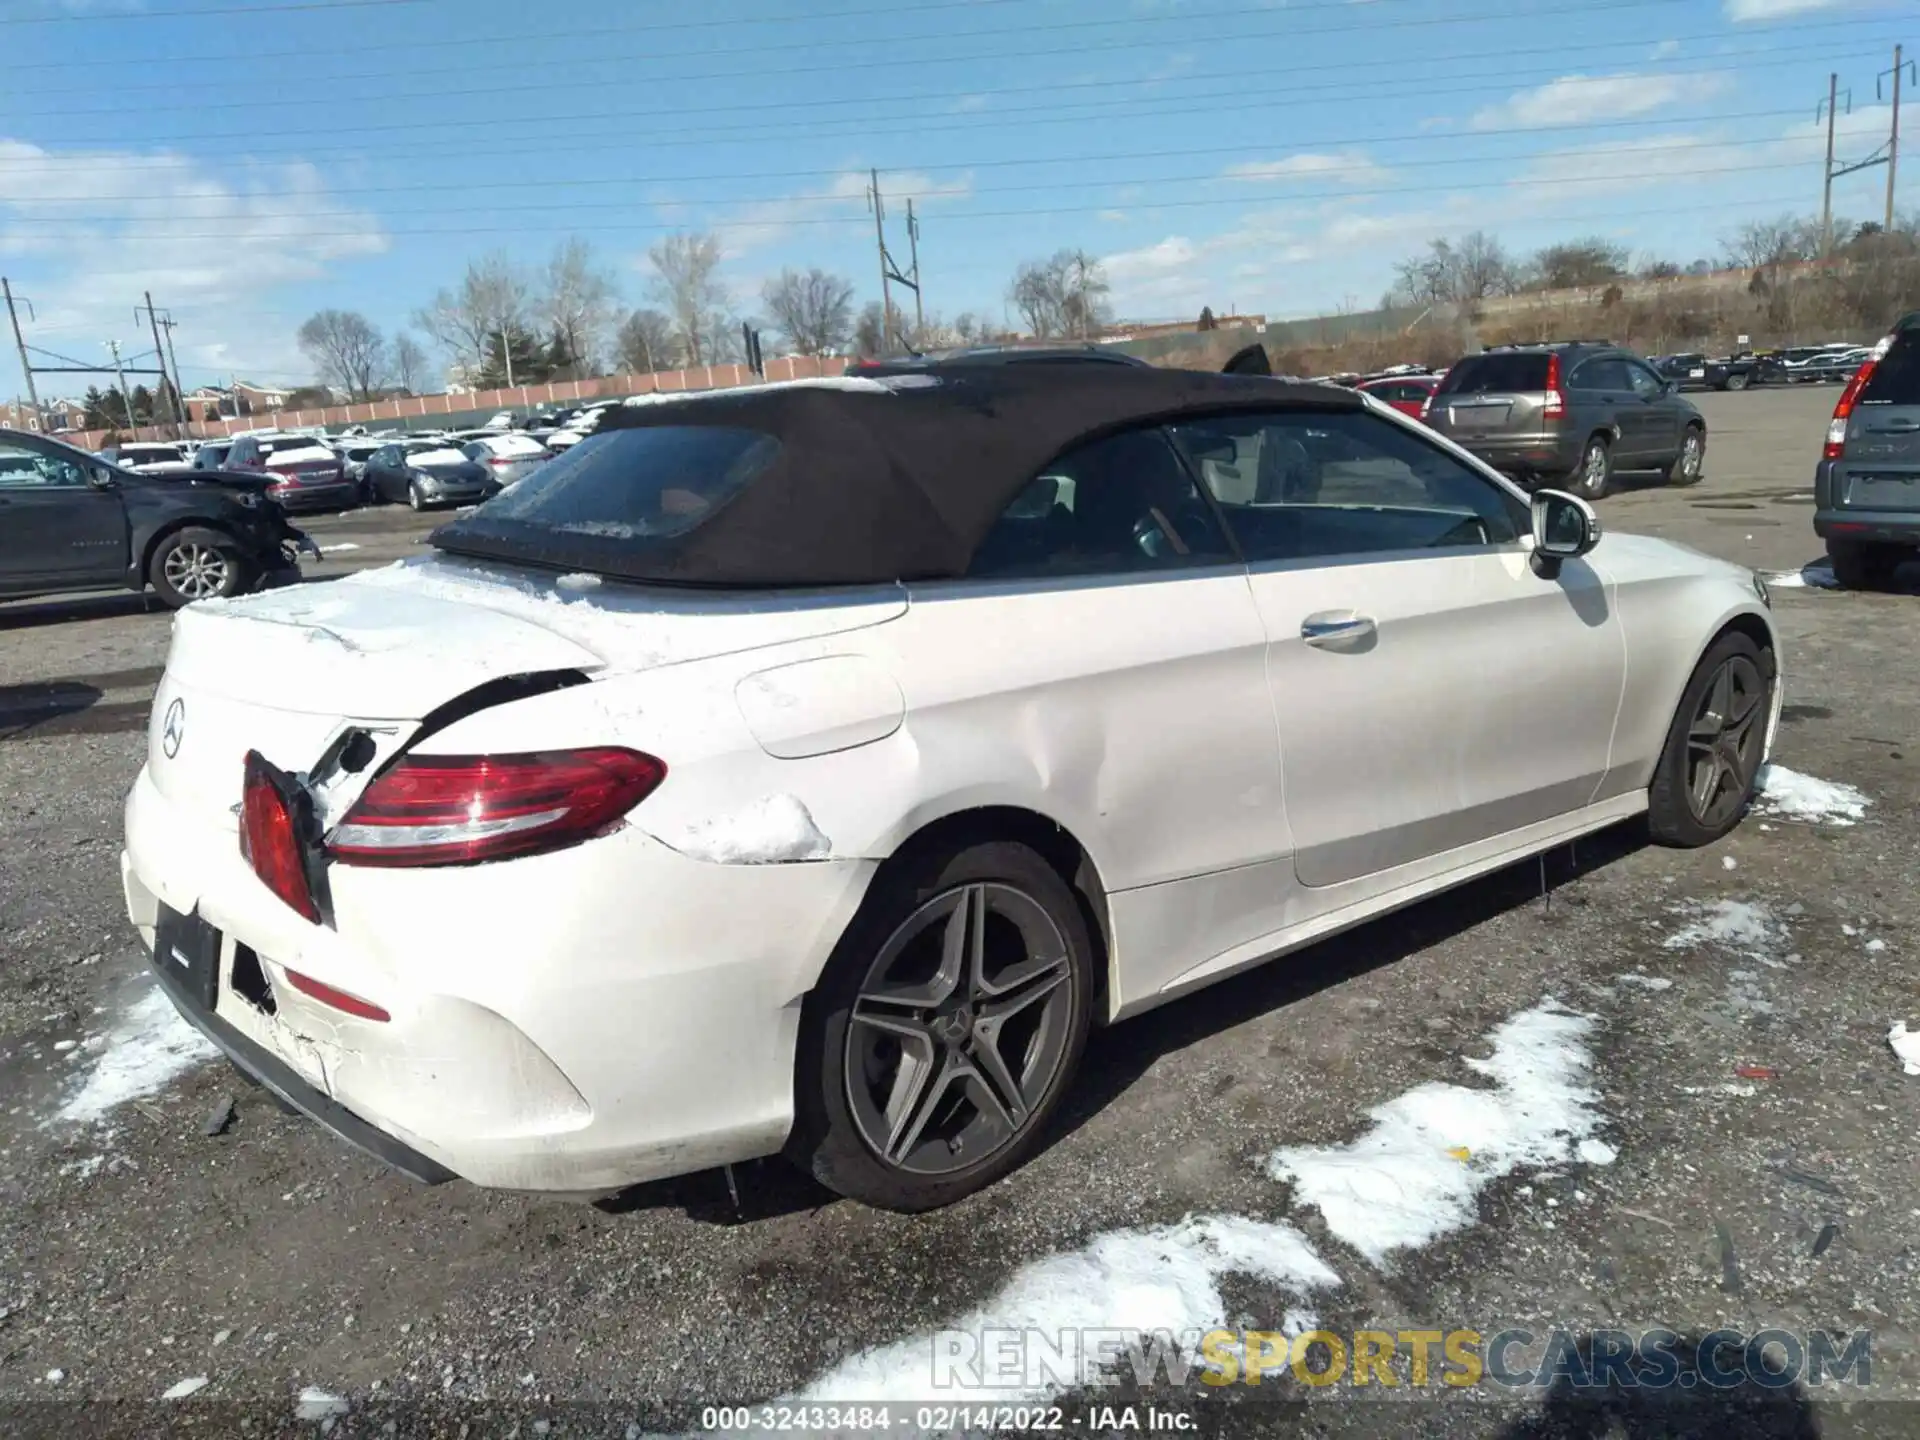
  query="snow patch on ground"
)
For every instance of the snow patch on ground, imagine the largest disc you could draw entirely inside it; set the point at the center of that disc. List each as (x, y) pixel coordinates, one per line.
(148, 1047)
(1906, 1045)
(181, 1389)
(1646, 982)
(1166, 1278)
(317, 1404)
(337, 546)
(578, 580)
(1416, 1174)
(1815, 576)
(774, 830)
(1793, 796)
(1739, 925)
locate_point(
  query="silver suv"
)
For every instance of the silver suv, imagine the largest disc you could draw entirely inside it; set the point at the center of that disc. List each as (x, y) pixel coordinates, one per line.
(1569, 415)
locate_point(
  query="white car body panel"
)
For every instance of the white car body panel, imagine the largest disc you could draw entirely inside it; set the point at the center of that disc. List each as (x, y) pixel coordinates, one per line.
(1236, 792)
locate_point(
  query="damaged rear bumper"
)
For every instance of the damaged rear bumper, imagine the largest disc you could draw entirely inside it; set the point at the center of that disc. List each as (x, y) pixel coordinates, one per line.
(275, 1074)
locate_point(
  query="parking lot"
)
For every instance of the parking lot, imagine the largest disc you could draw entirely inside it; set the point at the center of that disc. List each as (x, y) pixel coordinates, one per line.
(1755, 1168)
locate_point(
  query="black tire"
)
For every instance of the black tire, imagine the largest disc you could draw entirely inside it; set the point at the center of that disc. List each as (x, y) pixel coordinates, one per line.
(827, 1138)
(1675, 815)
(198, 564)
(1685, 469)
(415, 498)
(1738, 380)
(1594, 473)
(1862, 565)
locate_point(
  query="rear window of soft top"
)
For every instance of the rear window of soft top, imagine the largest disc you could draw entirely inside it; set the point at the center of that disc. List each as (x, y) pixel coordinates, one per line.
(646, 482)
(1479, 374)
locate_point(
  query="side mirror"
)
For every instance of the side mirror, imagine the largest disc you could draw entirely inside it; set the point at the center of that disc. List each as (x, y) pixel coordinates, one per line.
(1565, 527)
(101, 478)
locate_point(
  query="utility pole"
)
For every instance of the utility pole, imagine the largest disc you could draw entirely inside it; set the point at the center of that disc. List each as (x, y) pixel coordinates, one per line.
(160, 359)
(26, 365)
(126, 397)
(1893, 137)
(913, 250)
(1826, 197)
(878, 206)
(179, 389)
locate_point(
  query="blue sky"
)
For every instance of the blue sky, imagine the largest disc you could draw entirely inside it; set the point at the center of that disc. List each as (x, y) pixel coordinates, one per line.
(260, 159)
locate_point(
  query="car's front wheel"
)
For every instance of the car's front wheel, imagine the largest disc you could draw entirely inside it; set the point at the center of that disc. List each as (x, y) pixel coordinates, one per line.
(415, 497)
(1718, 738)
(945, 1029)
(1736, 381)
(197, 564)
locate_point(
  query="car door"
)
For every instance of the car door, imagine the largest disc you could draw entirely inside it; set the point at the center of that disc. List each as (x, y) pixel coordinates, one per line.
(1659, 412)
(1431, 691)
(1604, 397)
(380, 471)
(1103, 654)
(56, 526)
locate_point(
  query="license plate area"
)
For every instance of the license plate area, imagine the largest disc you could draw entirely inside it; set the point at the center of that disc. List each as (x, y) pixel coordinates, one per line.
(1487, 416)
(186, 950)
(1884, 492)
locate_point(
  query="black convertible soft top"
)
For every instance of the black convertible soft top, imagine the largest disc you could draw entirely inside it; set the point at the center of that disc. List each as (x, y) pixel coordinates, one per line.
(878, 480)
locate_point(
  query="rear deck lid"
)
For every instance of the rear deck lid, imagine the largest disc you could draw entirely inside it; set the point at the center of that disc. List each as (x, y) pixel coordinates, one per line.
(1881, 469)
(1492, 390)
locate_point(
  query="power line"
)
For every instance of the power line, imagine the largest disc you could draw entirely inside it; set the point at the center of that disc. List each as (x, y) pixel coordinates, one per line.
(893, 61)
(1244, 178)
(119, 16)
(1292, 197)
(1685, 63)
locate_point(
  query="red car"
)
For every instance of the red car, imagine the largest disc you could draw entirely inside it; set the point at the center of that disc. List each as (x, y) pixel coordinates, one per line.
(1406, 393)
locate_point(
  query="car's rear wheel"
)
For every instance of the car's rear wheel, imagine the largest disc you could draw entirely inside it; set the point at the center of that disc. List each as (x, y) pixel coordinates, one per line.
(1692, 459)
(945, 1029)
(1711, 762)
(1861, 565)
(1590, 481)
(1736, 381)
(414, 496)
(198, 564)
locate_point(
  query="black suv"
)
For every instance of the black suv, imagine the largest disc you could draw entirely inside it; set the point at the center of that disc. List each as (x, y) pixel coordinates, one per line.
(1866, 491)
(1569, 415)
(71, 521)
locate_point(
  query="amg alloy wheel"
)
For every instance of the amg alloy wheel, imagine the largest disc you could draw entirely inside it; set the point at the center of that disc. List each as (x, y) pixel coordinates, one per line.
(945, 1029)
(1711, 762)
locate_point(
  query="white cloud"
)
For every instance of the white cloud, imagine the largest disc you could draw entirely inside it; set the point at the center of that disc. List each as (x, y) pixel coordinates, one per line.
(1582, 99)
(1740, 11)
(1665, 49)
(1350, 167)
(758, 225)
(98, 228)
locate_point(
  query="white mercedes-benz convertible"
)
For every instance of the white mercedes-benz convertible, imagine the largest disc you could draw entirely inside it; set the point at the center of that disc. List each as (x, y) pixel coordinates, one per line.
(807, 767)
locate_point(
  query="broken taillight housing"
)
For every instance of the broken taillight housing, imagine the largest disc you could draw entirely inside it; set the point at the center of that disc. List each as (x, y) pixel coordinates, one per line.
(270, 837)
(461, 809)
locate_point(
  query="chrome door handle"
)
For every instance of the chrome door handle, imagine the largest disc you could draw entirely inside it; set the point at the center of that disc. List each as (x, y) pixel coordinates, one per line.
(1334, 628)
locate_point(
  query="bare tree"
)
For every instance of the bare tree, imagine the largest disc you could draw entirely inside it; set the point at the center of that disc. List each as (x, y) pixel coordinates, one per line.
(1451, 272)
(1063, 295)
(689, 291)
(579, 301)
(645, 343)
(1575, 263)
(1767, 245)
(346, 349)
(407, 363)
(491, 300)
(812, 308)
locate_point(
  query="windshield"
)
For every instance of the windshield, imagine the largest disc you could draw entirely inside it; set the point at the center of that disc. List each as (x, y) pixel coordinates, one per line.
(616, 488)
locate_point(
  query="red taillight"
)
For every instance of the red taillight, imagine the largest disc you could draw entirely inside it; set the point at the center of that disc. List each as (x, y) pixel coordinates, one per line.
(458, 809)
(1836, 446)
(1556, 406)
(269, 842)
(338, 999)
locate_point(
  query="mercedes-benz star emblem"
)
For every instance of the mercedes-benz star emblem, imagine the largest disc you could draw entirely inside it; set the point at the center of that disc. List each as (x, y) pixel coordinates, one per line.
(174, 730)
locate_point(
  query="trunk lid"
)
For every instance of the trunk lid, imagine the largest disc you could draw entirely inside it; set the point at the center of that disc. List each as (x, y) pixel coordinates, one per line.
(1880, 469)
(287, 672)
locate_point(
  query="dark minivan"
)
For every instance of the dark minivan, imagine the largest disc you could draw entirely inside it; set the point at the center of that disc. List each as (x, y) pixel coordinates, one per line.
(1866, 491)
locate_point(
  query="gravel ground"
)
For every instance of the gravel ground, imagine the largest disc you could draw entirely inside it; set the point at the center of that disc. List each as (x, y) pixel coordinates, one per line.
(1763, 1176)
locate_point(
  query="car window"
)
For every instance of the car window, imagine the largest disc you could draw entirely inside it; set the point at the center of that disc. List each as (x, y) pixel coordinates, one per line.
(1303, 485)
(1643, 380)
(1113, 506)
(1504, 372)
(1896, 378)
(1603, 373)
(24, 468)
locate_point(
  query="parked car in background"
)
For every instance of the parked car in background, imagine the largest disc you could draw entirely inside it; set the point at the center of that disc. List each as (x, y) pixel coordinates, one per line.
(307, 474)
(1696, 371)
(499, 420)
(509, 457)
(774, 792)
(212, 454)
(1572, 413)
(426, 473)
(354, 455)
(73, 521)
(150, 457)
(578, 428)
(1408, 394)
(1866, 488)
(1836, 367)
